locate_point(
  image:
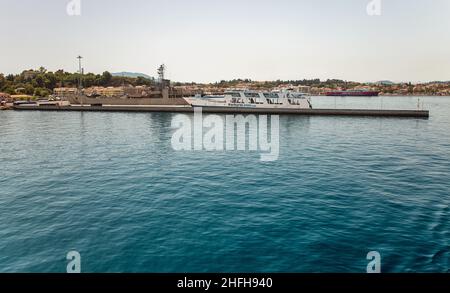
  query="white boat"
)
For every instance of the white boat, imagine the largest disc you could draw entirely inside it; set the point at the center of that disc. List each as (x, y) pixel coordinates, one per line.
(253, 99)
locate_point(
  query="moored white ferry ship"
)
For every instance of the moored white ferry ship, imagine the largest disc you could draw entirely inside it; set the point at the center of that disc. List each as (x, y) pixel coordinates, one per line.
(253, 99)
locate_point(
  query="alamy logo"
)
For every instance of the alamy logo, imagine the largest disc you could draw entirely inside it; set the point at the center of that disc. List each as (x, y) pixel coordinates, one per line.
(374, 266)
(74, 264)
(73, 8)
(374, 8)
(190, 135)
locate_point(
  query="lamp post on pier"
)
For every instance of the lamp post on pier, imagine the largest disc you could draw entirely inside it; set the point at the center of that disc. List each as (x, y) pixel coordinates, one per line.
(80, 83)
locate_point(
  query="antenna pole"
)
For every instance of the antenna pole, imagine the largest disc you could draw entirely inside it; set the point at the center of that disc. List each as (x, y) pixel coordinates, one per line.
(80, 84)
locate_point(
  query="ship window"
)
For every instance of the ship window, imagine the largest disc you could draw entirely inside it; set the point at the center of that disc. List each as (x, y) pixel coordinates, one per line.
(271, 95)
(251, 95)
(235, 95)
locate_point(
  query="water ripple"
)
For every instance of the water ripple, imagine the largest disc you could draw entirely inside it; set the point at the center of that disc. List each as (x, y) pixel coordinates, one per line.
(110, 186)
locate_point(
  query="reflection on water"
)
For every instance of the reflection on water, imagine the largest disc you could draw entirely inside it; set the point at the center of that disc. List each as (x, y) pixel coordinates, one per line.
(110, 186)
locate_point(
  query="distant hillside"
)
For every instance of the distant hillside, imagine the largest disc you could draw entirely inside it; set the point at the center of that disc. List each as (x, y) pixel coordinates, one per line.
(385, 82)
(131, 74)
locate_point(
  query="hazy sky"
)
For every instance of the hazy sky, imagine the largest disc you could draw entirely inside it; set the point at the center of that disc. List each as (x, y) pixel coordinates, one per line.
(210, 40)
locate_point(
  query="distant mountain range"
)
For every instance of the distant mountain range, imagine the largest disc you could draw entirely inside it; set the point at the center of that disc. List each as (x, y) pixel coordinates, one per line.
(385, 82)
(131, 74)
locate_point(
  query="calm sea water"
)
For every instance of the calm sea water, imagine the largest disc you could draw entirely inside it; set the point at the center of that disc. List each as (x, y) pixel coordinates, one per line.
(110, 186)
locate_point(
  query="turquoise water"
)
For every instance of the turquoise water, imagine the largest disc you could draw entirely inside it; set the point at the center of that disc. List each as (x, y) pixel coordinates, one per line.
(110, 186)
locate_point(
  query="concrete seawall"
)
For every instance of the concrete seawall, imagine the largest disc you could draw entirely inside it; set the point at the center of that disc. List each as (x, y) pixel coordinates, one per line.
(224, 110)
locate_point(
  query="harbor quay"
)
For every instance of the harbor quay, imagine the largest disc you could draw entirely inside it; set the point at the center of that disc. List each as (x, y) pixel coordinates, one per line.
(226, 110)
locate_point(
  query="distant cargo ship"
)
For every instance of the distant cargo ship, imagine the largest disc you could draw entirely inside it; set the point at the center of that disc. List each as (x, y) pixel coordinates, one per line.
(353, 93)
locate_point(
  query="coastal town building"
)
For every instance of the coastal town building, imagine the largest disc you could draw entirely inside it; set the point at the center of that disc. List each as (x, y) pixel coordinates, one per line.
(21, 97)
(5, 96)
(29, 74)
(64, 91)
(394, 89)
(105, 91)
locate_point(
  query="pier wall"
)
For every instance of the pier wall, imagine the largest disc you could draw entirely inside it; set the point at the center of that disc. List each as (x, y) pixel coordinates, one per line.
(225, 110)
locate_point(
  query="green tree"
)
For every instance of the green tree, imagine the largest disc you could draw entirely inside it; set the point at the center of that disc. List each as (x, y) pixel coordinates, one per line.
(106, 78)
(29, 89)
(41, 92)
(40, 80)
(89, 80)
(2, 81)
(10, 90)
(143, 81)
(50, 80)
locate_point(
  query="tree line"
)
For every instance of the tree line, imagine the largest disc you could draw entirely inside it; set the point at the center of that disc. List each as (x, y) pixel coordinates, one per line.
(329, 83)
(41, 83)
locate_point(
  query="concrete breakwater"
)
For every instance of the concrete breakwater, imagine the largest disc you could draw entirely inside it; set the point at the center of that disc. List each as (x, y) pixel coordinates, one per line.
(227, 110)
